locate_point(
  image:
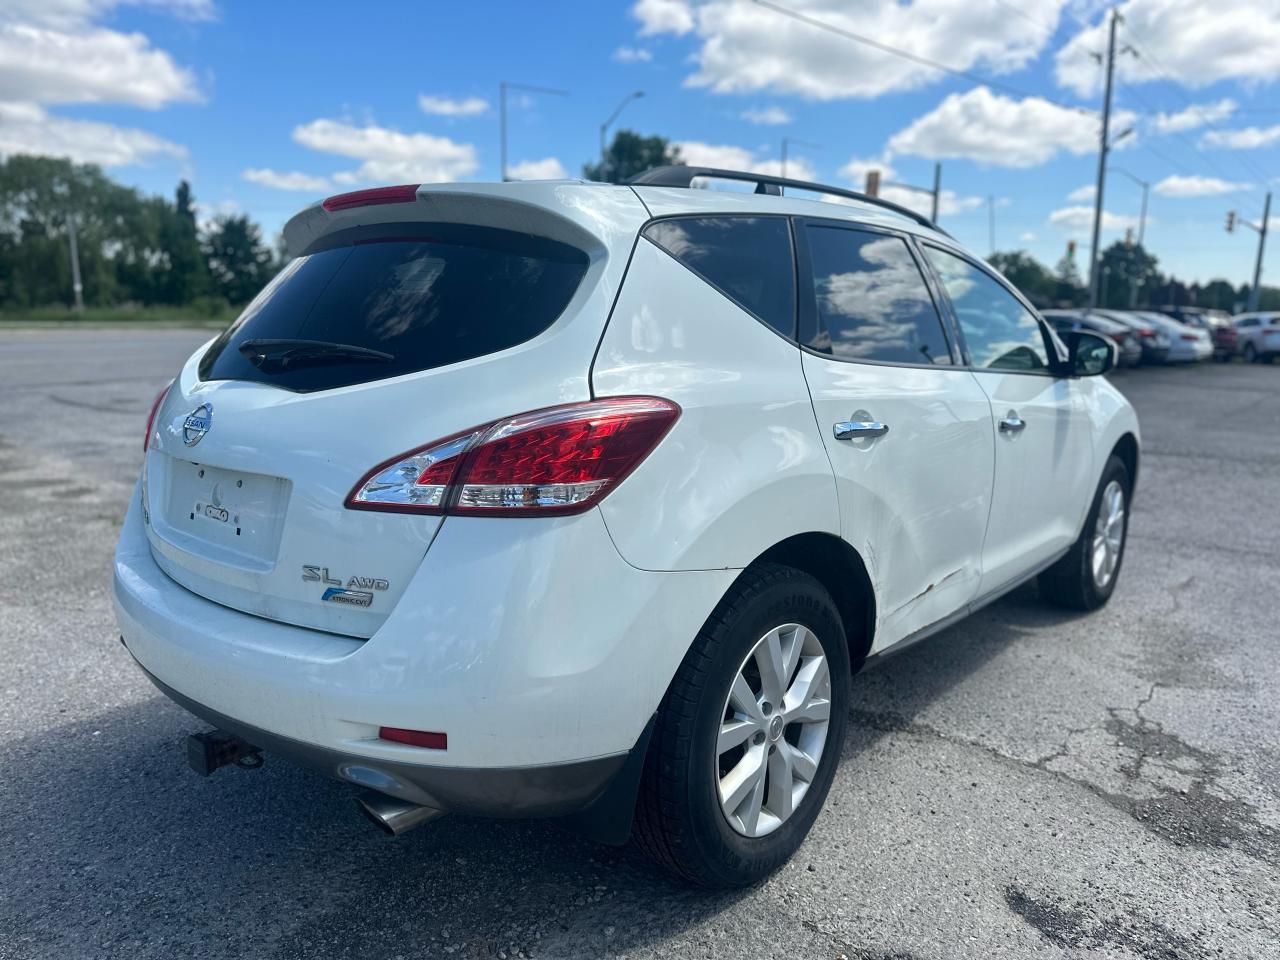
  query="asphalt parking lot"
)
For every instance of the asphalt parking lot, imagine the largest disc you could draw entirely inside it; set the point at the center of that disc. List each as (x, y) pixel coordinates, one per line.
(1027, 783)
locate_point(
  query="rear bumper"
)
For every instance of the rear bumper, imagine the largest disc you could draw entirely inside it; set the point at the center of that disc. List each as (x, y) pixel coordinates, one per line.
(531, 644)
(545, 791)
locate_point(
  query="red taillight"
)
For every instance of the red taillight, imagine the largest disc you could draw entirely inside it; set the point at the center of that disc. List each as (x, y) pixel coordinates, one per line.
(1146, 332)
(404, 193)
(1190, 336)
(415, 738)
(151, 417)
(550, 462)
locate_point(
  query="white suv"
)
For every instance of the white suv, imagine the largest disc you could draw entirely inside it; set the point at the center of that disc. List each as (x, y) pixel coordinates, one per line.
(583, 501)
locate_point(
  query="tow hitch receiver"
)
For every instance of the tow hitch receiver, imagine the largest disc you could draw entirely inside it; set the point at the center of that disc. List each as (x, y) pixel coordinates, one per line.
(206, 752)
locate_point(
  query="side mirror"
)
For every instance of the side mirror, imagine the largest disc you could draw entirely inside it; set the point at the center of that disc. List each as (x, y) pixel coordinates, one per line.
(1090, 354)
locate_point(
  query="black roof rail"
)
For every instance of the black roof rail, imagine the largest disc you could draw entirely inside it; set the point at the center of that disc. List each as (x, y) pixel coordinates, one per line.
(679, 175)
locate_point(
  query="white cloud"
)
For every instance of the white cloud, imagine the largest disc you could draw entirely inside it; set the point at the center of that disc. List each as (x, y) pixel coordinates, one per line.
(766, 116)
(1083, 194)
(1027, 237)
(1196, 115)
(727, 157)
(663, 16)
(28, 128)
(548, 168)
(745, 47)
(445, 107)
(1247, 138)
(1195, 186)
(294, 180)
(632, 55)
(992, 129)
(1191, 42)
(389, 156)
(45, 65)
(1080, 219)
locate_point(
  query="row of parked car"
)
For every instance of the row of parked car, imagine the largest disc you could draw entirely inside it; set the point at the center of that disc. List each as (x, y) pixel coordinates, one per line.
(1178, 334)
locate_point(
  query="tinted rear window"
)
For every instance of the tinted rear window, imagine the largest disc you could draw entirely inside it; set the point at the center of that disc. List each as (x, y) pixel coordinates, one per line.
(748, 259)
(431, 296)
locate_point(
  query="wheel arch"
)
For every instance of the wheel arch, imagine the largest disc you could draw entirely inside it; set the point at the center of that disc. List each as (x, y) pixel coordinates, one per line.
(1126, 448)
(835, 564)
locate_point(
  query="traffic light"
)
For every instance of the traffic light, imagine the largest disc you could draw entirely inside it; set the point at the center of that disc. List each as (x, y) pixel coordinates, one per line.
(873, 183)
(1231, 221)
(1071, 249)
(1128, 237)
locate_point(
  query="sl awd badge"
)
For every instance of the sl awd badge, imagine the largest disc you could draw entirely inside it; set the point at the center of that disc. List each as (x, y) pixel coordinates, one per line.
(357, 592)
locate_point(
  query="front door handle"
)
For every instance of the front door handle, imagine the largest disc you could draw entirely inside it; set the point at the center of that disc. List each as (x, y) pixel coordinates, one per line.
(1012, 423)
(858, 429)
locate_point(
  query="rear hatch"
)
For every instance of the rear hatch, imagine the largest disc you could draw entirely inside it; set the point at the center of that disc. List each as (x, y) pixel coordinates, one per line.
(400, 324)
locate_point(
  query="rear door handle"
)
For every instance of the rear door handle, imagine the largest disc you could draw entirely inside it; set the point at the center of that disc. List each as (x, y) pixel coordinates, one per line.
(857, 429)
(1012, 423)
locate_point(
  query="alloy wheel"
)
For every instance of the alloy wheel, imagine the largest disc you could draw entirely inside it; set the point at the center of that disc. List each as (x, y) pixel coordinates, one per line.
(1108, 534)
(773, 730)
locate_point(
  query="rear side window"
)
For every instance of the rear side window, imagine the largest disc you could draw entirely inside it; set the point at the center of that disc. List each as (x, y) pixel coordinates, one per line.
(999, 331)
(748, 259)
(372, 308)
(870, 300)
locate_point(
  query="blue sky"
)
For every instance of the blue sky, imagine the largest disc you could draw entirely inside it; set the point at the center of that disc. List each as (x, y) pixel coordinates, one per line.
(268, 106)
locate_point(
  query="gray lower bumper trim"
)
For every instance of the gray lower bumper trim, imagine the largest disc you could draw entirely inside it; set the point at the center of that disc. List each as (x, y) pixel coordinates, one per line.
(545, 791)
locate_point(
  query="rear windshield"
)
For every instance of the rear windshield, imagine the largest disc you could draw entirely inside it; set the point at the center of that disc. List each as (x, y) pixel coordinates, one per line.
(368, 307)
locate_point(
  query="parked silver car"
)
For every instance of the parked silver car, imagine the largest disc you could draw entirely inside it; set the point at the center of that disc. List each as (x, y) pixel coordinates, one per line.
(1259, 336)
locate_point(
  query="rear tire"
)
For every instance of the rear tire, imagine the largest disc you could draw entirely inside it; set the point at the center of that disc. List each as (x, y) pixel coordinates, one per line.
(681, 816)
(1249, 353)
(1086, 577)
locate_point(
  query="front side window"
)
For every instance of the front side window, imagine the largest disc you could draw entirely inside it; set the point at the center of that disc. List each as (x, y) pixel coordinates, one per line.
(1000, 332)
(748, 259)
(870, 300)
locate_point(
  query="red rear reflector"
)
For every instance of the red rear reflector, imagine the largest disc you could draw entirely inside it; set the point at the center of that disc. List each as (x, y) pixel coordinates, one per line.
(415, 738)
(151, 417)
(404, 193)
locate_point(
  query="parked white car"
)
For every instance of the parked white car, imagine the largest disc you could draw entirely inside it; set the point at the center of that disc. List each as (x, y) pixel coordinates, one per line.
(1187, 344)
(1258, 336)
(584, 501)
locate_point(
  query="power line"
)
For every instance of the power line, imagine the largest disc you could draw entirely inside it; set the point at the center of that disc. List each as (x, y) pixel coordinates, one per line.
(973, 78)
(1253, 169)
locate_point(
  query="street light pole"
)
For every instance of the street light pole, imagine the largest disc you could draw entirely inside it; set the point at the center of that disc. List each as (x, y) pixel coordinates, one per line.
(1146, 186)
(937, 191)
(1103, 147)
(77, 288)
(503, 87)
(604, 130)
(786, 142)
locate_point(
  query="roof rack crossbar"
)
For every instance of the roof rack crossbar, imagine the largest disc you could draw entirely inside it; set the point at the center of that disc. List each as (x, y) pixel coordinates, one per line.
(679, 175)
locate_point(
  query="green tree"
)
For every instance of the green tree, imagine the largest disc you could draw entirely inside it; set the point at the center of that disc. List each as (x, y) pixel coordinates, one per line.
(1129, 275)
(1070, 291)
(631, 154)
(239, 262)
(183, 272)
(1027, 274)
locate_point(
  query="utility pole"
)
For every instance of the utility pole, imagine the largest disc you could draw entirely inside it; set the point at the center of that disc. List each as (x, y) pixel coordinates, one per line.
(991, 220)
(1256, 290)
(77, 288)
(937, 192)
(604, 129)
(503, 87)
(1103, 147)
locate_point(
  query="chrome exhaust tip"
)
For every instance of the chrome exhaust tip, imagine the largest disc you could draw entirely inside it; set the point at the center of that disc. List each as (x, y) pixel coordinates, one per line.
(394, 816)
